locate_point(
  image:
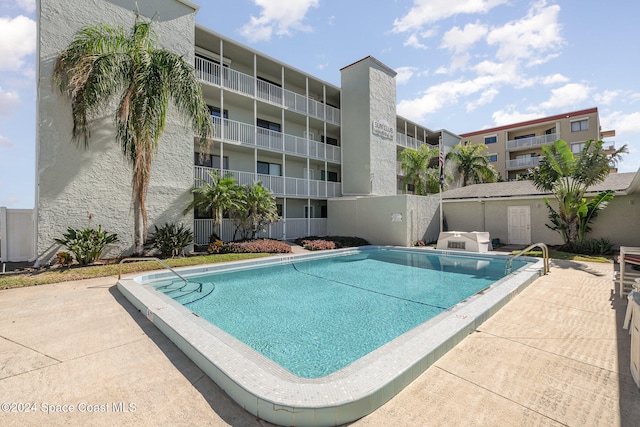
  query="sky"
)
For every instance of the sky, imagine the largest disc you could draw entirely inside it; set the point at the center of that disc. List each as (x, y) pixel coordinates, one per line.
(463, 65)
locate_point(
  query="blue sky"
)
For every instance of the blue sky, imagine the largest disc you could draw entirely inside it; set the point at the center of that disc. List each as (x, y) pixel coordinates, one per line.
(462, 65)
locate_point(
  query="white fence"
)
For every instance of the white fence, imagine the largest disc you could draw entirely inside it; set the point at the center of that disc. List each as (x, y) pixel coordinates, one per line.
(17, 240)
(291, 228)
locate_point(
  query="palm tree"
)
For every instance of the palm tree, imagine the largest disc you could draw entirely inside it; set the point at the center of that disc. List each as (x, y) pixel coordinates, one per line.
(568, 177)
(415, 164)
(218, 194)
(472, 164)
(104, 64)
(258, 211)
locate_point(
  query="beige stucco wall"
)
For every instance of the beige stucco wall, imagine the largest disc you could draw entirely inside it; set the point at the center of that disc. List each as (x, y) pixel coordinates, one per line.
(388, 220)
(73, 183)
(619, 222)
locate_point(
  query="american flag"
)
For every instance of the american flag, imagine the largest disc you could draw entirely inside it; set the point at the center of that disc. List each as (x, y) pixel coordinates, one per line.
(441, 161)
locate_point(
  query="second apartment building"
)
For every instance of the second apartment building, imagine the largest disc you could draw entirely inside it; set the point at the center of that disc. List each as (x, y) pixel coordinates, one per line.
(513, 149)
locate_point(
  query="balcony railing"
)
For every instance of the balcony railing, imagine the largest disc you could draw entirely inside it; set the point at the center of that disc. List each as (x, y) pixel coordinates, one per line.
(408, 141)
(211, 72)
(280, 186)
(533, 141)
(523, 163)
(246, 134)
(286, 228)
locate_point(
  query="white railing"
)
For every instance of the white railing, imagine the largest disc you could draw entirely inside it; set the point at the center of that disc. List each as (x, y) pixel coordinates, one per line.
(290, 228)
(279, 186)
(246, 134)
(211, 72)
(528, 162)
(408, 141)
(533, 141)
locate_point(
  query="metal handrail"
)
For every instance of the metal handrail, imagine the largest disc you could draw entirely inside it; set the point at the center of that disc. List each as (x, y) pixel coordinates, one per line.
(149, 259)
(545, 255)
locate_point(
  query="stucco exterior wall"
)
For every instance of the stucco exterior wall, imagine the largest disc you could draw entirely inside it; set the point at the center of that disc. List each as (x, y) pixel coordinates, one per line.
(74, 184)
(390, 220)
(619, 221)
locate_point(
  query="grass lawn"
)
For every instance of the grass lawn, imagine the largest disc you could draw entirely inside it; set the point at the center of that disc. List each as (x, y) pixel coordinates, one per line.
(554, 254)
(57, 275)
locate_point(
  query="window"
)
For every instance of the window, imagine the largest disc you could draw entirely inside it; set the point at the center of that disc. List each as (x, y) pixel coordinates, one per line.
(265, 168)
(580, 125)
(280, 209)
(328, 140)
(308, 211)
(215, 112)
(331, 176)
(266, 124)
(550, 131)
(491, 139)
(199, 213)
(210, 160)
(492, 158)
(577, 148)
(529, 135)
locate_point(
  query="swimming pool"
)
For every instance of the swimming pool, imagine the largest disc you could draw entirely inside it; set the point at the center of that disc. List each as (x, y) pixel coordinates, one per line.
(417, 328)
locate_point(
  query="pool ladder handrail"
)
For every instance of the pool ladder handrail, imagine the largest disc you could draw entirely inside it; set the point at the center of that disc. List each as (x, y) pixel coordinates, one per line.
(149, 259)
(508, 266)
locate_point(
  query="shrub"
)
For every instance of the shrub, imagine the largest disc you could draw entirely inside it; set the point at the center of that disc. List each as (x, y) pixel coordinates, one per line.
(257, 246)
(64, 258)
(170, 239)
(339, 241)
(318, 245)
(602, 246)
(87, 245)
(215, 247)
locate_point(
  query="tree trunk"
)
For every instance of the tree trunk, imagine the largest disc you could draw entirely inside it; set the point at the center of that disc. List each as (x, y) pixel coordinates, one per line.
(138, 232)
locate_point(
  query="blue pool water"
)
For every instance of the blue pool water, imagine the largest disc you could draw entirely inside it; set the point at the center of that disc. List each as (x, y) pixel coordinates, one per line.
(316, 317)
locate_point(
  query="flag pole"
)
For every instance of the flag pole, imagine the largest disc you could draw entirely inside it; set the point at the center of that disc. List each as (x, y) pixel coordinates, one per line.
(441, 163)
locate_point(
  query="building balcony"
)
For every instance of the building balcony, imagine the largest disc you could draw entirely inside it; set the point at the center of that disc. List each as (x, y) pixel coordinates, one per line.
(534, 141)
(280, 186)
(523, 163)
(240, 133)
(408, 141)
(212, 73)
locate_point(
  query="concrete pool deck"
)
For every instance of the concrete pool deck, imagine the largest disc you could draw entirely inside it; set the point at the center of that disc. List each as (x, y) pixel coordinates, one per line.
(555, 355)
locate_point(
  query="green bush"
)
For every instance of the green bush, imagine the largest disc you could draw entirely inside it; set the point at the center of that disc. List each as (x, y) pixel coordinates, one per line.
(87, 245)
(170, 239)
(602, 246)
(64, 258)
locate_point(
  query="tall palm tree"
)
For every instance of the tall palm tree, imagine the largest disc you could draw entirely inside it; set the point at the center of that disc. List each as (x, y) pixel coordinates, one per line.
(415, 164)
(218, 194)
(472, 164)
(568, 177)
(104, 64)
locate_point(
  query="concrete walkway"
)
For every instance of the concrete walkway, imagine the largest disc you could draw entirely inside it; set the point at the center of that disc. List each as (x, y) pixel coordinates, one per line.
(555, 355)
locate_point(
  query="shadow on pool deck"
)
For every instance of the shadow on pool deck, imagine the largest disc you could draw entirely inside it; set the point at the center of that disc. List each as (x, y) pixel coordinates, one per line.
(555, 355)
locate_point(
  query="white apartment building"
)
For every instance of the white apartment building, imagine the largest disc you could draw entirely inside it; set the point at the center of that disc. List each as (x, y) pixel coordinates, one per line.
(328, 153)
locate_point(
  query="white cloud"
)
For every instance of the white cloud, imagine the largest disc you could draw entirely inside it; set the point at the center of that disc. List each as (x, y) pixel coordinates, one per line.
(9, 101)
(5, 142)
(414, 41)
(485, 98)
(17, 40)
(569, 94)
(534, 37)
(555, 78)
(460, 40)
(404, 74)
(279, 17)
(607, 97)
(429, 11)
(510, 116)
(621, 122)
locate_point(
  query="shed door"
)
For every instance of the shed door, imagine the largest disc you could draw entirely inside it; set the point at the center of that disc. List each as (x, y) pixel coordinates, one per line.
(519, 225)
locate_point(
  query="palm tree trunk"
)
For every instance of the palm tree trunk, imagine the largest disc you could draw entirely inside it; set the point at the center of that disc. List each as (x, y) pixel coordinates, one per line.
(138, 235)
